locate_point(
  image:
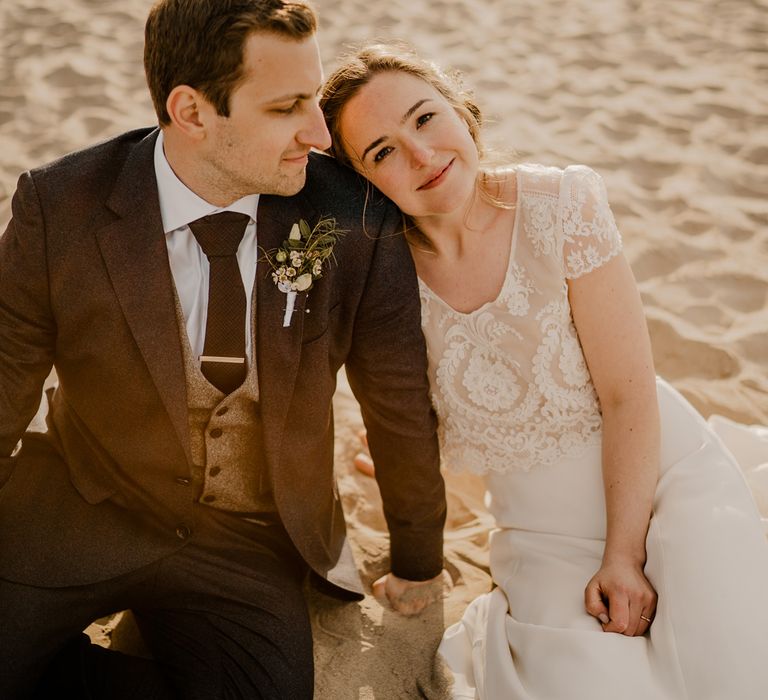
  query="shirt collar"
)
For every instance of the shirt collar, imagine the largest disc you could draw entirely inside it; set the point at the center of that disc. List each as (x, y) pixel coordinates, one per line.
(179, 205)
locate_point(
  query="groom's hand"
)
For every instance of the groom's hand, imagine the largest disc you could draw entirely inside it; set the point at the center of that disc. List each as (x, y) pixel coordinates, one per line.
(411, 597)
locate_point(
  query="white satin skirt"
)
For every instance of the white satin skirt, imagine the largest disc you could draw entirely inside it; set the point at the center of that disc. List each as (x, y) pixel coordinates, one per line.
(531, 638)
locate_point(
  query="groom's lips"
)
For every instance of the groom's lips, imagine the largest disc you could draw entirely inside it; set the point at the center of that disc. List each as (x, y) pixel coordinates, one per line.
(436, 178)
(301, 159)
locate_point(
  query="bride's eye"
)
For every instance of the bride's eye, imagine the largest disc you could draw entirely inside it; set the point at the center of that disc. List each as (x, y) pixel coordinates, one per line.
(383, 153)
(424, 118)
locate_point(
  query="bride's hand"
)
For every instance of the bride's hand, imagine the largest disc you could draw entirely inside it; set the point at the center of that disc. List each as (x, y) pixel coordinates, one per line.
(621, 597)
(362, 461)
(411, 597)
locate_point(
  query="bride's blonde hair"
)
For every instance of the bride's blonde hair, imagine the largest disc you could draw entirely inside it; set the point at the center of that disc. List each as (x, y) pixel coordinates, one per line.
(359, 67)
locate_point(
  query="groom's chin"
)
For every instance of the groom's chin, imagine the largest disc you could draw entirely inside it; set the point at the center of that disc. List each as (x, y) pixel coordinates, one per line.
(292, 184)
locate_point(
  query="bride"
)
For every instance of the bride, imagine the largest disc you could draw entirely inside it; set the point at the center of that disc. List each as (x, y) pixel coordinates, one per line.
(628, 560)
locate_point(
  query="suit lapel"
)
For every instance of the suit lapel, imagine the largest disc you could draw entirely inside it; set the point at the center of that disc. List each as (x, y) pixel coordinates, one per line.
(135, 254)
(278, 348)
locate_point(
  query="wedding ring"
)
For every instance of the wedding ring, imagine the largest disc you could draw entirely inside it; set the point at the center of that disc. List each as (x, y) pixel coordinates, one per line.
(647, 619)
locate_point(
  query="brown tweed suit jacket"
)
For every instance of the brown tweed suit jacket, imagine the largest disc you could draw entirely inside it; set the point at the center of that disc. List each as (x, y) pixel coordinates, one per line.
(85, 286)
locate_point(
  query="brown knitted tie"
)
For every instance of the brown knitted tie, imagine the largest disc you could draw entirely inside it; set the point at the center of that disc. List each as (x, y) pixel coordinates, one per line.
(223, 361)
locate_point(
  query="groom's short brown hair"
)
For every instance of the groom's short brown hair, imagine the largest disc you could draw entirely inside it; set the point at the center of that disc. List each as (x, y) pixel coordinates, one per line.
(200, 43)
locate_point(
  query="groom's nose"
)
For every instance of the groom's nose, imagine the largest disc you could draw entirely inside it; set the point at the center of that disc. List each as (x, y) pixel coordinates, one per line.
(314, 132)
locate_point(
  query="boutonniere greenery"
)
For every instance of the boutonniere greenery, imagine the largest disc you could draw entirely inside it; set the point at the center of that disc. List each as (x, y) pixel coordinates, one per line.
(299, 260)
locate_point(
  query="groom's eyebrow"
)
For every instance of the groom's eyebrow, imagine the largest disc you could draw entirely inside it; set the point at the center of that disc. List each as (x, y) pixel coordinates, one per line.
(295, 96)
(405, 118)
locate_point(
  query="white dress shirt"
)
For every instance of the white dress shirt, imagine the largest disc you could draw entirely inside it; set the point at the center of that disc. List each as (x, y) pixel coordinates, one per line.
(189, 265)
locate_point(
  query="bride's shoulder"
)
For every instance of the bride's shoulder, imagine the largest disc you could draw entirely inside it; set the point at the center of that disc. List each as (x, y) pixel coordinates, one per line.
(535, 178)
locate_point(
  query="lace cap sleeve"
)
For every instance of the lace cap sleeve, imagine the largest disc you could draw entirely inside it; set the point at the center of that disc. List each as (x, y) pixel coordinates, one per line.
(590, 235)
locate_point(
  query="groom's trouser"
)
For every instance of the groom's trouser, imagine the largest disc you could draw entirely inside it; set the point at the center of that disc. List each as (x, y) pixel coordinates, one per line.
(224, 617)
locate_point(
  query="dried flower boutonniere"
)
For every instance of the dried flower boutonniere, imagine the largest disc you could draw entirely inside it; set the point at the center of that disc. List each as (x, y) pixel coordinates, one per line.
(298, 262)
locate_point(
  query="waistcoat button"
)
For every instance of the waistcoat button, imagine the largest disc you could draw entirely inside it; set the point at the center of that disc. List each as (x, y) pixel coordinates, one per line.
(216, 432)
(183, 480)
(182, 532)
(213, 471)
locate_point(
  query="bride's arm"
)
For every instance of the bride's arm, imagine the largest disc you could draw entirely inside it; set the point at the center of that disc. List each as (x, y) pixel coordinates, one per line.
(608, 315)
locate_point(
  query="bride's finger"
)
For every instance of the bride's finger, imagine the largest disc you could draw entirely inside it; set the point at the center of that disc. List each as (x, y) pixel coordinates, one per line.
(634, 622)
(646, 618)
(379, 588)
(618, 611)
(593, 602)
(364, 464)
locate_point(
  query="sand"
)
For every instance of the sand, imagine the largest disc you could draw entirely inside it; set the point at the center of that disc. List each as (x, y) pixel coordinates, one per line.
(668, 101)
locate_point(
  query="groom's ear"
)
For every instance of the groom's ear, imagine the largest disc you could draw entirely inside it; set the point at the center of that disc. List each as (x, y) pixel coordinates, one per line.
(188, 110)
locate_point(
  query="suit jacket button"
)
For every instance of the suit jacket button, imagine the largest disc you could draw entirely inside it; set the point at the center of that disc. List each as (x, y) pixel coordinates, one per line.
(216, 432)
(182, 532)
(222, 410)
(183, 480)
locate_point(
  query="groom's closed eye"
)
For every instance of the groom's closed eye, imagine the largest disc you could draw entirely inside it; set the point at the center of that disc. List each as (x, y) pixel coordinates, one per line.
(292, 103)
(285, 110)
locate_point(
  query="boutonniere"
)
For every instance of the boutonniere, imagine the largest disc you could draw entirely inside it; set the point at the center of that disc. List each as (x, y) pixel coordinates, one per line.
(299, 260)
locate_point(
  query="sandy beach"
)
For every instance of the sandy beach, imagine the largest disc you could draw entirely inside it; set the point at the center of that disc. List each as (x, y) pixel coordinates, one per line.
(668, 101)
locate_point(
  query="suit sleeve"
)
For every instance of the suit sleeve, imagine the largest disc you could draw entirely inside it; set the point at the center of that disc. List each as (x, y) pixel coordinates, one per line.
(387, 371)
(27, 329)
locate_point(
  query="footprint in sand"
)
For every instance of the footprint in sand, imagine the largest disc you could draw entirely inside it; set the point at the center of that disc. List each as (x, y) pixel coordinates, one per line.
(677, 357)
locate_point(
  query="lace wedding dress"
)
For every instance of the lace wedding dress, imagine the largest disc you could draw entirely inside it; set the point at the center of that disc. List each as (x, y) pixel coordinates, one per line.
(516, 403)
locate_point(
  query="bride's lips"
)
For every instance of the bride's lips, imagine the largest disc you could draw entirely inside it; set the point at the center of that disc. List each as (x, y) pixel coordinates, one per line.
(436, 178)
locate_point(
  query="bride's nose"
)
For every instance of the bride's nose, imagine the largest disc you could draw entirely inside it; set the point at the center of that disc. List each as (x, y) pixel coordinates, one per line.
(421, 154)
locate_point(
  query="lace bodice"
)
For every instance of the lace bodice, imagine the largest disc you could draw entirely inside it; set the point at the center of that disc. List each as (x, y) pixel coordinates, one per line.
(509, 381)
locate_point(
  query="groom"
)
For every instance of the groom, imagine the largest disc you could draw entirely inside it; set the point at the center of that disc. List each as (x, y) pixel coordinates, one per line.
(187, 470)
